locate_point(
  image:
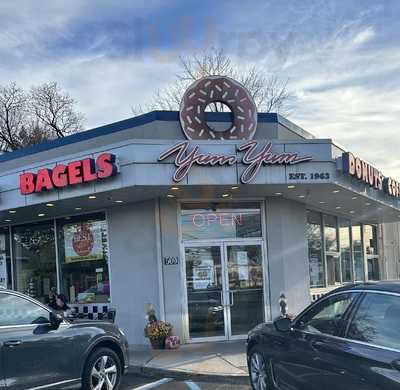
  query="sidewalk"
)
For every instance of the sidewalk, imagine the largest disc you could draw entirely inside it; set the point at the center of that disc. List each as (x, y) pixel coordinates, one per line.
(214, 359)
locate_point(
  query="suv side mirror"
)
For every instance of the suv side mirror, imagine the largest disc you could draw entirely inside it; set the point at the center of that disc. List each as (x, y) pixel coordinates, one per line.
(55, 320)
(283, 324)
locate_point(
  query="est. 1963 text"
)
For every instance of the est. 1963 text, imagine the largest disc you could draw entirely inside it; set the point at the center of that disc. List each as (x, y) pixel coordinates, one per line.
(309, 176)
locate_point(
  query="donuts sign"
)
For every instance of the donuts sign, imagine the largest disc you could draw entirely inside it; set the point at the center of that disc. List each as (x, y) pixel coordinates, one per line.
(221, 89)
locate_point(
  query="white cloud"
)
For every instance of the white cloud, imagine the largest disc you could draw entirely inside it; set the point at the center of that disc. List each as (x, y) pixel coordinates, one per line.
(351, 95)
(364, 36)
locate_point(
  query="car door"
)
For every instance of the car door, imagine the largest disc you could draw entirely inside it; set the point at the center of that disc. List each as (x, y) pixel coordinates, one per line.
(34, 353)
(373, 337)
(313, 357)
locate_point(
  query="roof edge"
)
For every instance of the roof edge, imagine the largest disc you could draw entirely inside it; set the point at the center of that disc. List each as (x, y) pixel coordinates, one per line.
(295, 128)
(167, 116)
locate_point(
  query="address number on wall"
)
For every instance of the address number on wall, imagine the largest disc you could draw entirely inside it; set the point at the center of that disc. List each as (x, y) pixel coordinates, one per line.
(171, 260)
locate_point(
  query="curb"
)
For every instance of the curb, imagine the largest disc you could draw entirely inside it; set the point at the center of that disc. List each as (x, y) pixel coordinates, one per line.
(187, 375)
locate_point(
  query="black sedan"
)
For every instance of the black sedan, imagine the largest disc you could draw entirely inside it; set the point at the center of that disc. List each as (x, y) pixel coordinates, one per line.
(42, 350)
(348, 339)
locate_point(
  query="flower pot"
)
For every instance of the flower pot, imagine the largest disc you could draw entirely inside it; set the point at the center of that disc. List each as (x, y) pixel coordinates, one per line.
(158, 343)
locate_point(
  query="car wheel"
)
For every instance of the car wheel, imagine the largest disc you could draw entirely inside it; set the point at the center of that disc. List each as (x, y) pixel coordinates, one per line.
(258, 371)
(102, 370)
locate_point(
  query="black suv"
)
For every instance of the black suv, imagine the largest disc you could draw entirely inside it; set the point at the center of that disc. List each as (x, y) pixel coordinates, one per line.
(348, 339)
(42, 350)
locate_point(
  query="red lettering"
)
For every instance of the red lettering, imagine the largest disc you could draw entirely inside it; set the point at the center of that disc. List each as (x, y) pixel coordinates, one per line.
(238, 219)
(194, 220)
(27, 183)
(106, 165)
(352, 164)
(358, 168)
(222, 220)
(43, 180)
(211, 218)
(75, 172)
(59, 176)
(370, 175)
(89, 170)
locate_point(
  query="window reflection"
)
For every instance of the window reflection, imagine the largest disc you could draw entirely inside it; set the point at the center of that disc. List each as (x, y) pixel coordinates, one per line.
(350, 250)
(377, 321)
(314, 237)
(245, 267)
(358, 253)
(371, 250)
(35, 260)
(345, 251)
(330, 230)
(5, 259)
(204, 291)
(83, 254)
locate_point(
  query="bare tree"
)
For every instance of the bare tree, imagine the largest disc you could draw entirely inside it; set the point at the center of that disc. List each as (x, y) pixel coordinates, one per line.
(12, 116)
(54, 110)
(269, 92)
(32, 118)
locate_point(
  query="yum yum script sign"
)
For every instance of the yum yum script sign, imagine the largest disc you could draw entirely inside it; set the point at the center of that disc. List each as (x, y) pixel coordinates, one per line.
(255, 155)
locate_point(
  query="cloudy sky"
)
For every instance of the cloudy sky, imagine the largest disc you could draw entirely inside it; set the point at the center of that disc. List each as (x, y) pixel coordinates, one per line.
(342, 57)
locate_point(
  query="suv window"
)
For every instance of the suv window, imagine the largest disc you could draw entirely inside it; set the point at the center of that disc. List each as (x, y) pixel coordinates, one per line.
(377, 321)
(327, 316)
(15, 310)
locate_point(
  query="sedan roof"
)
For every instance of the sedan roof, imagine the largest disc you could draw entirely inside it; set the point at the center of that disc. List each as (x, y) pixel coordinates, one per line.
(386, 286)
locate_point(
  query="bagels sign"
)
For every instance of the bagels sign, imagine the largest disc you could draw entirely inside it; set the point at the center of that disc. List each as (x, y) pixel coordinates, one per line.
(65, 175)
(222, 89)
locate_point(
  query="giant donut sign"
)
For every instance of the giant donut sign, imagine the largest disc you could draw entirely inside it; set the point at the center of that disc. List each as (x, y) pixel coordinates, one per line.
(222, 89)
(218, 89)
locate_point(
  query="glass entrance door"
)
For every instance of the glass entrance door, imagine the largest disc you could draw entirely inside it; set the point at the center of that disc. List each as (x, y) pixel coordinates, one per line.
(225, 293)
(245, 287)
(205, 298)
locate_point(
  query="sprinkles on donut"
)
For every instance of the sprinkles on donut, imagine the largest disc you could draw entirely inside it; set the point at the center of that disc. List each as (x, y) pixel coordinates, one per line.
(221, 89)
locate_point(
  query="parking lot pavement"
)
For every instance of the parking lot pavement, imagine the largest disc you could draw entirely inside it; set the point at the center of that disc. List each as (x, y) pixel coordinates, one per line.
(160, 383)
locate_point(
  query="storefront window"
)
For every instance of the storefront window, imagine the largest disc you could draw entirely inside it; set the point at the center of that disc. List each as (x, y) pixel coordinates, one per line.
(371, 240)
(345, 251)
(331, 236)
(371, 250)
(5, 259)
(220, 221)
(358, 256)
(35, 260)
(343, 258)
(332, 248)
(83, 255)
(314, 237)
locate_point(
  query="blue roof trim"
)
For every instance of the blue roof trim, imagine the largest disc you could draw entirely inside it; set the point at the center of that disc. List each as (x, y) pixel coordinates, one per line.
(168, 116)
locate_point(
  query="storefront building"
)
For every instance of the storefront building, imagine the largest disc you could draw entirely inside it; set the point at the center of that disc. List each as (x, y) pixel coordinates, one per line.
(210, 227)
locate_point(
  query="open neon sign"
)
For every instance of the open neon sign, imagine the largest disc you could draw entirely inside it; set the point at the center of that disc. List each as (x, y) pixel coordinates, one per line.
(222, 219)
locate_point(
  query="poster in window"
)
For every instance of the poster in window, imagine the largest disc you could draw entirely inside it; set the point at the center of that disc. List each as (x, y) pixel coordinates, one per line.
(243, 265)
(203, 275)
(83, 242)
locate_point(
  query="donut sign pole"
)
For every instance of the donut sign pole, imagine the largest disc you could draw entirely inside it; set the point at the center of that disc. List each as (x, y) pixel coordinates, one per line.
(222, 89)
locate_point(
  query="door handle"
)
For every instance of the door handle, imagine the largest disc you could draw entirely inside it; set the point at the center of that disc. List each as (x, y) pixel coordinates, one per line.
(12, 343)
(396, 365)
(231, 301)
